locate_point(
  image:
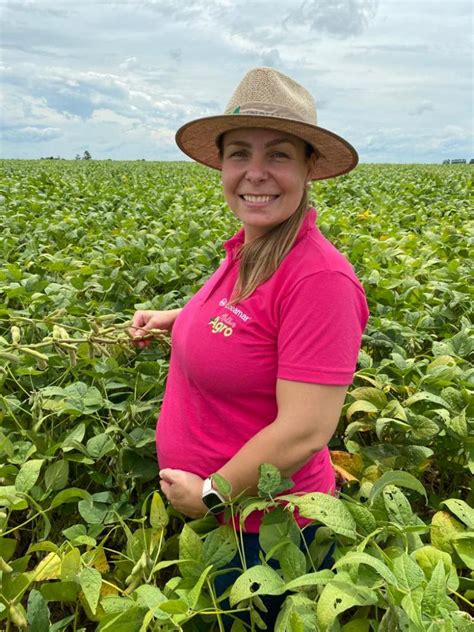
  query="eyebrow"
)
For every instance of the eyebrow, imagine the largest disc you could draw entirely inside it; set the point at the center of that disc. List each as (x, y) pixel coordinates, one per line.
(271, 143)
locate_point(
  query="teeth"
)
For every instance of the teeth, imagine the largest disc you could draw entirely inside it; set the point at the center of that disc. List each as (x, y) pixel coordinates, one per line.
(258, 198)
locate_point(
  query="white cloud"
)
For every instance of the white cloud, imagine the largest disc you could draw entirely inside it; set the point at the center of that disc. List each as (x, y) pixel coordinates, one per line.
(424, 106)
(337, 18)
(31, 134)
(119, 77)
(129, 63)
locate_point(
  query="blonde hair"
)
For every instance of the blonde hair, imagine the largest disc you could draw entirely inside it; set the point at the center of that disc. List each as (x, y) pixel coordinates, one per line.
(260, 258)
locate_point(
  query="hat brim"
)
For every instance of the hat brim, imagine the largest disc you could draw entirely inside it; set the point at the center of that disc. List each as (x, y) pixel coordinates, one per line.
(335, 156)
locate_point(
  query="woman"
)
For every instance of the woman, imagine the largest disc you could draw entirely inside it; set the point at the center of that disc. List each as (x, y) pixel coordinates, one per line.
(263, 354)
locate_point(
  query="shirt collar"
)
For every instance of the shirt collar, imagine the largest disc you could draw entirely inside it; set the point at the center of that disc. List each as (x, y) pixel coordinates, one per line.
(308, 223)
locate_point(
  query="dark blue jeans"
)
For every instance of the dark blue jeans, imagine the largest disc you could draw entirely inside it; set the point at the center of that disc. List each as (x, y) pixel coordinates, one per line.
(273, 603)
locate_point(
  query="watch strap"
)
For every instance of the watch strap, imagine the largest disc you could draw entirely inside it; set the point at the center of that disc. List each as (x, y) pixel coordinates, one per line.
(207, 488)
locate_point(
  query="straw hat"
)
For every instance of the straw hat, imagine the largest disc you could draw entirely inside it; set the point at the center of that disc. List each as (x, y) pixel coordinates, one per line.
(269, 99)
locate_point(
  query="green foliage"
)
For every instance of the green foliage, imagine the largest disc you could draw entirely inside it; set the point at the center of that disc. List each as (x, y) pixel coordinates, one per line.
(86, 540)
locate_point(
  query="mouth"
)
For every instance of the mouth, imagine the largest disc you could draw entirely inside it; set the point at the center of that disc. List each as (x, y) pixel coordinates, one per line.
(258, 199)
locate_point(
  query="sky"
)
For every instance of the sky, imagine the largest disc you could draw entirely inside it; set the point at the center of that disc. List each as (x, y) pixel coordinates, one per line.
(118, 78)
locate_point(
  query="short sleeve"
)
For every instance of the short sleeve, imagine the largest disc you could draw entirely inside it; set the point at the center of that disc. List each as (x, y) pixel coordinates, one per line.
(321, 323)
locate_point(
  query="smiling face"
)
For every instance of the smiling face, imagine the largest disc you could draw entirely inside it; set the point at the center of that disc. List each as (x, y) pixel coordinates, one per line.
(264, 174)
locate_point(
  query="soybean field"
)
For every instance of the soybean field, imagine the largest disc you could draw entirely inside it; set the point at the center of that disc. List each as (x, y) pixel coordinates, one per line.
(86, 539)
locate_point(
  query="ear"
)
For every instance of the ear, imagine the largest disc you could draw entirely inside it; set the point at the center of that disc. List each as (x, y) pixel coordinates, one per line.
(312, 163)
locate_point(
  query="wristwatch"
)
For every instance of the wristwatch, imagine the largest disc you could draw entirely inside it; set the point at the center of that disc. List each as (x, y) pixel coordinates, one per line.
(211, 497)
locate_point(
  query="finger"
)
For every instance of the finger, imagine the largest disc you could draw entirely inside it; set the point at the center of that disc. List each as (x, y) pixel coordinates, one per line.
(165, 488)
(140, 343)
(168, 475)
(140, 324)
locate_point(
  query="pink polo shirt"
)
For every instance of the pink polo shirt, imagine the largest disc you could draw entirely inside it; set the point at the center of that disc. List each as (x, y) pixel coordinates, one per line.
(304, 323)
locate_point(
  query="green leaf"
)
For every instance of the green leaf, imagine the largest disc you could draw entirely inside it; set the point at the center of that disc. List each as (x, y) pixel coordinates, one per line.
(461, 344)
(297, 611)
(219, 547)
(276, 526)
(397, 506)
(44, 546)
(269, 479)
(423, 428)
(425, 396)
(337, 597)
(390, 622)
(191, 548)
(92, 512)
(56, 475)
(60, 591)
(100, 445)
(465, 550)
(407, 572)
(354, 558)
(7, 548)
(247, 507)
(458, 425)
(28, 475)
(158, 515)
(319, 578)
(37, 612)
(150, 597)
(75, 436)
(82, 398)
(195, 592)
(399, 478)
(375, 396)
(75, 531)
(91, 581)
(461, 510)
(62, 624)
(435, 591)
(428, 557)
(360, 406)
(174, 606)
(292, 561)
(258, 580)
(112, 604)
(128, 621)
(411, 604)
(329, 510)
(68, 496)
(363, 517)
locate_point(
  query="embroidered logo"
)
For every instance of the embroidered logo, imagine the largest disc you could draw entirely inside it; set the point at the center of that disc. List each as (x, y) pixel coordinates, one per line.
(235, 310)
(226, 322)
(219, 326)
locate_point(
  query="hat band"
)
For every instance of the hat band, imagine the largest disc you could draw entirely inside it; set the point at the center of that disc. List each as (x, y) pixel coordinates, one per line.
(267, 109)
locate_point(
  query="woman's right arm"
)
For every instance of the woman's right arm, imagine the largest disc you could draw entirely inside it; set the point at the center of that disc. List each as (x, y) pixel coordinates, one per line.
(144, 321)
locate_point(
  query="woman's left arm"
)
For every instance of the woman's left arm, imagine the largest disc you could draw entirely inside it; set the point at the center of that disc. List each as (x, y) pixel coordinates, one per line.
(307, 418)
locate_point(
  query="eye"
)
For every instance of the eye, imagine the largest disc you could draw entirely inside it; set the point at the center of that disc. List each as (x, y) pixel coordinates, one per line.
(240, 153)
(279, 155)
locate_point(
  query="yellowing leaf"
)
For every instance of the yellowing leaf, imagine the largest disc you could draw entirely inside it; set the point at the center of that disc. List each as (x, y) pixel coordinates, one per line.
(349, 466)
(99, 560)
(48, 568)
(108, 589)
(158, 515)
(444, 528)
(71, 565)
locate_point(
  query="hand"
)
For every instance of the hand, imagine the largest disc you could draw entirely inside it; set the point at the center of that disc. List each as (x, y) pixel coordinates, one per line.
(184, 490)
(145, 320)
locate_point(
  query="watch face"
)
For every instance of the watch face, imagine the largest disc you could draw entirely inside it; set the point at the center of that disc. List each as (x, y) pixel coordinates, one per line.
(213, 501)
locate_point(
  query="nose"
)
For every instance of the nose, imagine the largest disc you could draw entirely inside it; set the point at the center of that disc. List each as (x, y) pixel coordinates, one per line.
(256, 169)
